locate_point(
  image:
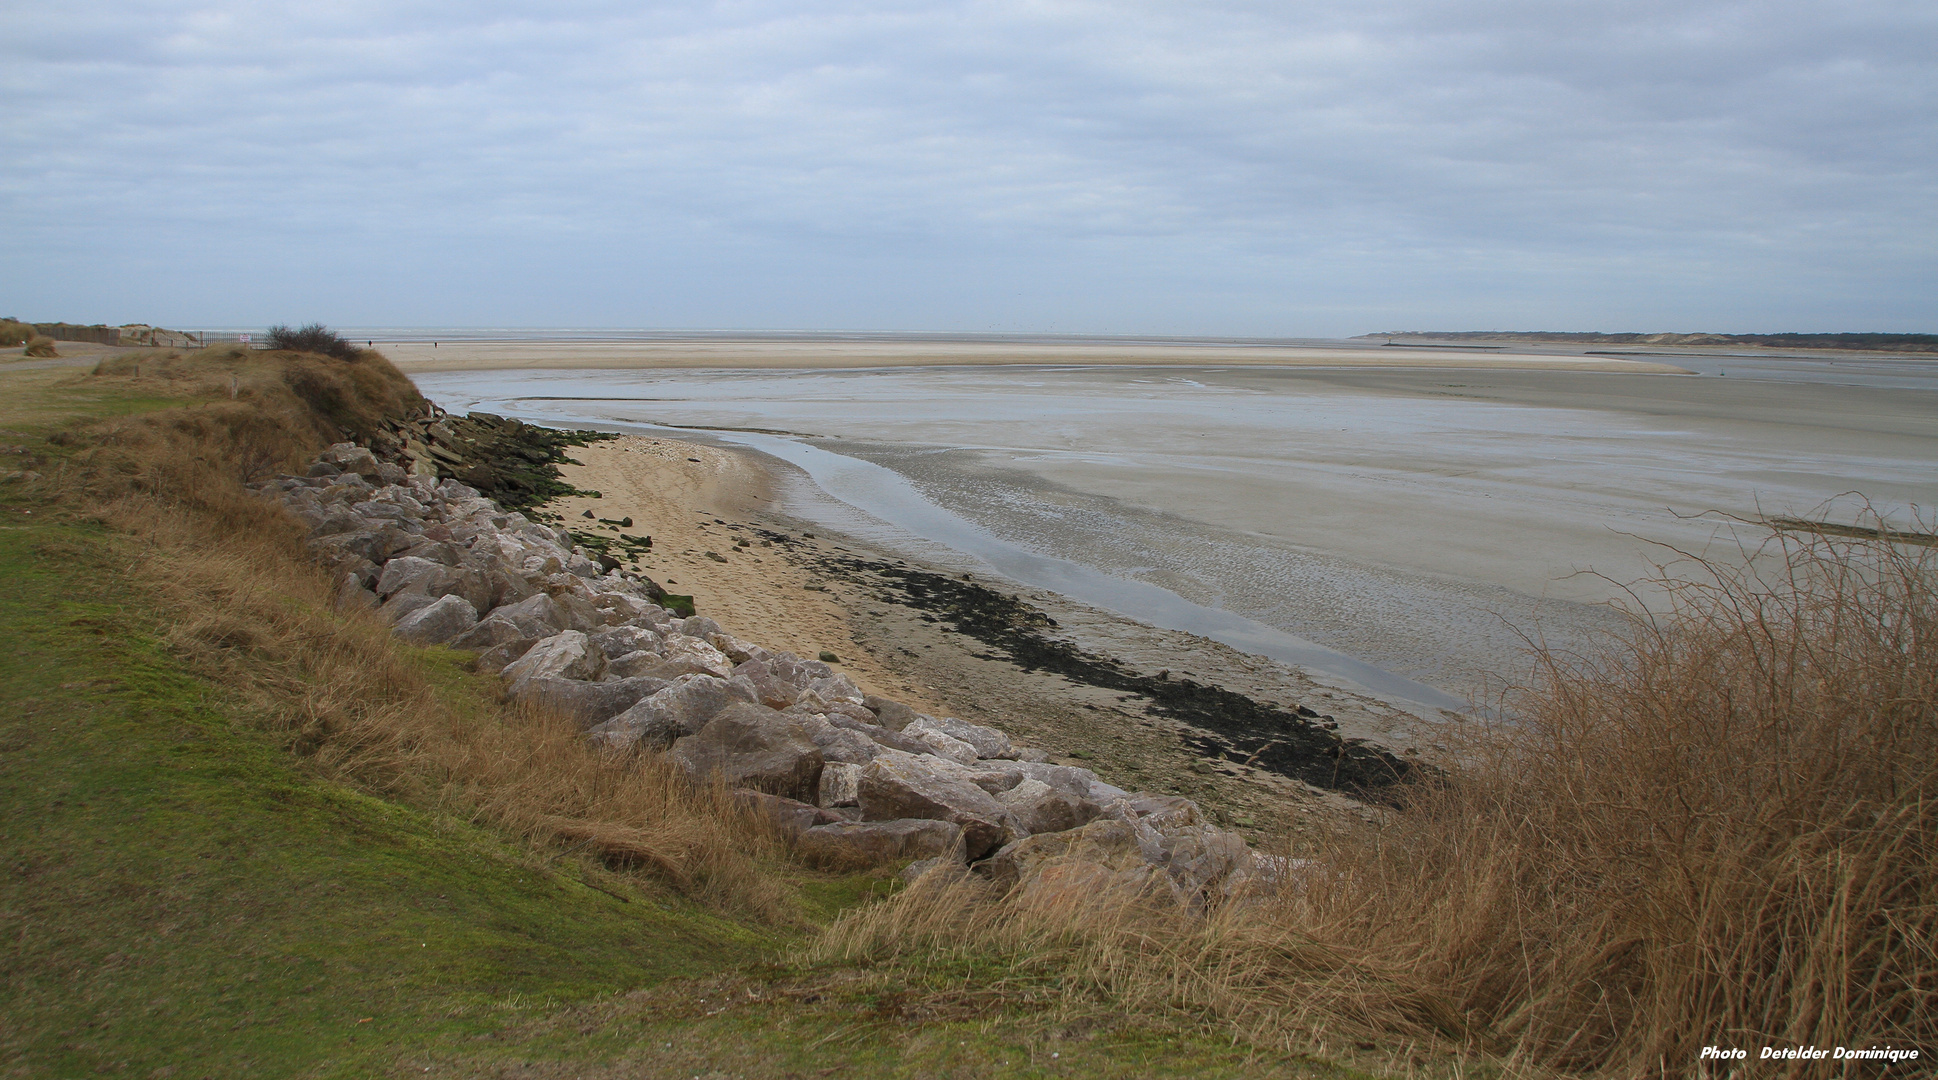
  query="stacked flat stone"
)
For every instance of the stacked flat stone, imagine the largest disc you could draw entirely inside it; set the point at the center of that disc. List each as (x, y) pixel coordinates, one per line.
(854, 779)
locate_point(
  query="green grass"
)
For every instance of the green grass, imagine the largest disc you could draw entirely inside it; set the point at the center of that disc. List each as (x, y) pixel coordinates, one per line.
(178, 889)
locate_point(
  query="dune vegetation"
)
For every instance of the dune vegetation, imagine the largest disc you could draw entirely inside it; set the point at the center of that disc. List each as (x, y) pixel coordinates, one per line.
(1718, 832)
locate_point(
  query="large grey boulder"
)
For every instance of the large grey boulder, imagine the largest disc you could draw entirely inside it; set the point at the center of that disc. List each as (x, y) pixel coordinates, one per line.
(1080, 866)
(939, 742)
(411, 573)
(889, 714)
(988, 742)
(352, 594)
(755, 747)
(881, 736)
(840, 784)
(773, 682)
(402, 605)
(897, 785)
(873, 843)
(684, 655)
(493, 631)
(371, 544)
(682, 708)
(1070, 779)
(498, 657)
(698, 626)
(1201, 858)
(442, 552)
(617, 641)
(567, 655)
(837, 687)
(838, 744)
(404, 571)
(1040, 808)
(437, 622)
(508, 587)
(995, 777)
(1162, 812)
(352, 458)
(589, 703)
(537, 614)
(627, 607)
(788, 816)
(639, 662)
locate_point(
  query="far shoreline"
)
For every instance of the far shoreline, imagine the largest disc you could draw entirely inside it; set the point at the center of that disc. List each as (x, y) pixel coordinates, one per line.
(462, 355)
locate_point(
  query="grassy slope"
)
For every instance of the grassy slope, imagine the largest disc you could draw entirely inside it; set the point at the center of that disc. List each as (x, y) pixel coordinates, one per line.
(182, 897)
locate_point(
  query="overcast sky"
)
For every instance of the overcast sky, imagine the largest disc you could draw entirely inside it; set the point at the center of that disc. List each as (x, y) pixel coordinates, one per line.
(1274, 168)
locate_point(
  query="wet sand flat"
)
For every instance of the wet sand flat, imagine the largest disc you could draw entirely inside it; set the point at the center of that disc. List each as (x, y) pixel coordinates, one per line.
(552, 355)
(1422, 519)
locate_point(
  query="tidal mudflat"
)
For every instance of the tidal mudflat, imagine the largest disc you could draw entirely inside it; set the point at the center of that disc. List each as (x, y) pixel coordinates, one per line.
(1420, 519)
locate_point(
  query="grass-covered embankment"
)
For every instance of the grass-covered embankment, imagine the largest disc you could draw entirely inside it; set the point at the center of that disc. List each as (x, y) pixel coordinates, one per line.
(248, 836)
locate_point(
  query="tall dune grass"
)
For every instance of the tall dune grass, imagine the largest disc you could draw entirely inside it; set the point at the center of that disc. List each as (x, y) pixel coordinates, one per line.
(1721, 832)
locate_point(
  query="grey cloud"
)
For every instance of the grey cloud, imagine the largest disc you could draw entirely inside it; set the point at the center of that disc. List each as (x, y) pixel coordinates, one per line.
(1134, 158)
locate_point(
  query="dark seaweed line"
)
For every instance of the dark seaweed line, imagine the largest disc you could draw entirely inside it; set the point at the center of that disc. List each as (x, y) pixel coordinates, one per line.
(1226, 724)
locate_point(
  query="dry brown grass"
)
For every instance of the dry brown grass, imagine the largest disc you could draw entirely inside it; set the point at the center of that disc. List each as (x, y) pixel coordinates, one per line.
(1719, 833)
(250, 610)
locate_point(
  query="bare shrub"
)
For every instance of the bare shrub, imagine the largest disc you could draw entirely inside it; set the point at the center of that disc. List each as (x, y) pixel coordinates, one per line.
(313, 338)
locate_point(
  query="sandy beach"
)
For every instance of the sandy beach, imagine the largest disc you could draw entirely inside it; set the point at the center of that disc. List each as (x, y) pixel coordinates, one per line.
(815, 592)
(696, 502)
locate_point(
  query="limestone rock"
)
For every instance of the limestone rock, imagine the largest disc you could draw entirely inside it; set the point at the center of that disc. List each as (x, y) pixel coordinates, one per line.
(403, 604)
(790, 816)
(691, 656)
(537, 614)
(872, 843)
(840, 784)
(353, 595)
(988, 742)
(897, 785)
(490, 632)
(640, 662)
(837, 687)
(498, 657)
(437, 622)
(756, 747)
(881, 736)
(1101, 858)
(839, 744)
(589, 703)
(617, 641)
(682, 708)
(995, 777)
(890, 714)
(1040, 808)
(939, 742)
(567, 655)
(404, 571)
